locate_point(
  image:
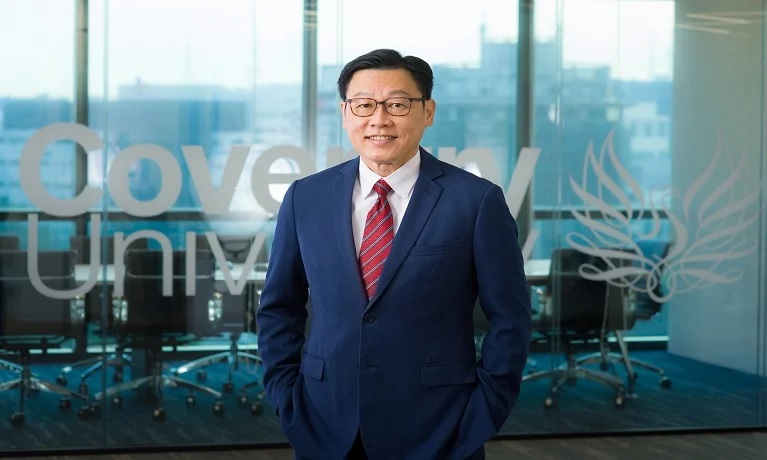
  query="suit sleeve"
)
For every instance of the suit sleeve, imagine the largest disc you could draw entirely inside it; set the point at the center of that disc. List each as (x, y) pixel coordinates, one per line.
(282, 313)
(505, 299)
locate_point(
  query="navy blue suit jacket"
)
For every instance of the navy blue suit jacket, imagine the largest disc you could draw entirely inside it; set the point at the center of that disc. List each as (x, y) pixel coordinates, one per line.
(400, 368)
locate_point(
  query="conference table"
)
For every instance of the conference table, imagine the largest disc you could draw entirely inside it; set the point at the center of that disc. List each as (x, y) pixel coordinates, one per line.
(536, 271)
(235, 270)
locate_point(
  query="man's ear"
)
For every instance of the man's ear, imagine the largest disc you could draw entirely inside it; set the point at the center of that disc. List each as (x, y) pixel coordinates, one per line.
(429, 111)
(342, 106)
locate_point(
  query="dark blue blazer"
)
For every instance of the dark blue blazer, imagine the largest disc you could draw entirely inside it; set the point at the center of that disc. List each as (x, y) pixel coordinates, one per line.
(400, 368)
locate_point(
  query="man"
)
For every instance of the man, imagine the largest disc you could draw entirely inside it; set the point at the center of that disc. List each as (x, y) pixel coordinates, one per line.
(393, 248)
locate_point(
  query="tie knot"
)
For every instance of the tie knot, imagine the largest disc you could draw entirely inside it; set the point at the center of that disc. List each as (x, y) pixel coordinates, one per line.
(382, 189)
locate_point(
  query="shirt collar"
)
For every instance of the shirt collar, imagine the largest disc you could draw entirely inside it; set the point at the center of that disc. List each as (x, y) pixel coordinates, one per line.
(401, 181)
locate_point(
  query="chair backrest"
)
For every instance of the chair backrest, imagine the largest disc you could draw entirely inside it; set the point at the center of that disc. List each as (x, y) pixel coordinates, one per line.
(236, 247)
(9, 243)
(97, 298)
(26, 312)
(152, 313)
(81, 244)
(645, 307)
(239, 310)
(578, 304)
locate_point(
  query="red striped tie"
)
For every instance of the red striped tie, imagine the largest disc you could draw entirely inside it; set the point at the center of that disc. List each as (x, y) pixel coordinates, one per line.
(377, 238)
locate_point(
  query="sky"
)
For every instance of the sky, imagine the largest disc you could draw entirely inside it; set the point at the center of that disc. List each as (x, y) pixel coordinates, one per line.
(242, 43)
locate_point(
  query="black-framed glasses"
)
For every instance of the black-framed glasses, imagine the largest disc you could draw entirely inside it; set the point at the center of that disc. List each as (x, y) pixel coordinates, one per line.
(395, 106)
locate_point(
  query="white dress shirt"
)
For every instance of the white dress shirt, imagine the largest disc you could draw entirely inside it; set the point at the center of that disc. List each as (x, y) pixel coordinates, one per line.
(402, 182)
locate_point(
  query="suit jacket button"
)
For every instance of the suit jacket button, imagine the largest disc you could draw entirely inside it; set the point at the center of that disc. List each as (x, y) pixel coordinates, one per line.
(368, 318)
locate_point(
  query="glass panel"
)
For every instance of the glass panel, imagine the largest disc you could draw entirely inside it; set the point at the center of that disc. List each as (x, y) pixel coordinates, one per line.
(41, 328)
(190, 105)
(714, 303)
(646, 196)
(546, 346)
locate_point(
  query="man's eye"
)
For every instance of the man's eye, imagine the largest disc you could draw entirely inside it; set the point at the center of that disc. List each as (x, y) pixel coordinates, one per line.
(397, 105)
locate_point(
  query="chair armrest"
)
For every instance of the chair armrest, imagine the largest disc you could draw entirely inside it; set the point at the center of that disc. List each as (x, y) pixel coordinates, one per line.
(119, 314)
(77, 311)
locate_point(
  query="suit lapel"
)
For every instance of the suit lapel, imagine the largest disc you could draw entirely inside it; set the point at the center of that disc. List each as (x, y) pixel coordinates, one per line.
(425, 195)
(342, 219)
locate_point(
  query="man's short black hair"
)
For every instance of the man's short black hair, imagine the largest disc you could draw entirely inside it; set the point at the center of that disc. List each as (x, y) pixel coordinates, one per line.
(386, 59)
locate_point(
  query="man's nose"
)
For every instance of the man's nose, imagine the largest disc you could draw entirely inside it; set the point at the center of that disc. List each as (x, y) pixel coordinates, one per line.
(381, 117)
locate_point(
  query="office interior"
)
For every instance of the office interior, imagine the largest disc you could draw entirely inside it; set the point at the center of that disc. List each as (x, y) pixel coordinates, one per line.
(145, 147)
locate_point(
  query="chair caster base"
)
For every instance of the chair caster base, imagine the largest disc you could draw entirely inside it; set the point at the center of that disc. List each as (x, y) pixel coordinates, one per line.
(18, 418)
(86, 412)
(218, 408)
(158, 415)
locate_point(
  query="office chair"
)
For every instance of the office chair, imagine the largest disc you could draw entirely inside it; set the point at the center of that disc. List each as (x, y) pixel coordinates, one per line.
(30, 321)
(148, 320)
(642, 307)
(238, 317)
(9, 243)
(575, 310)
(94, 299)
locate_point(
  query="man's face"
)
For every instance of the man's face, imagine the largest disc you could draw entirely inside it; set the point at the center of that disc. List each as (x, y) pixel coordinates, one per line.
(384, 141)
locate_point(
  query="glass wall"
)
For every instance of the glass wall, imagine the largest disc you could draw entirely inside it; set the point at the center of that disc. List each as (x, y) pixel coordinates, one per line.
(649, 202)
(628, 135)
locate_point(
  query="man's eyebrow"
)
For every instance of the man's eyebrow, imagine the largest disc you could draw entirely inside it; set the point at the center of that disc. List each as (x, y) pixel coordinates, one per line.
(398, 92)
(393, 93)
